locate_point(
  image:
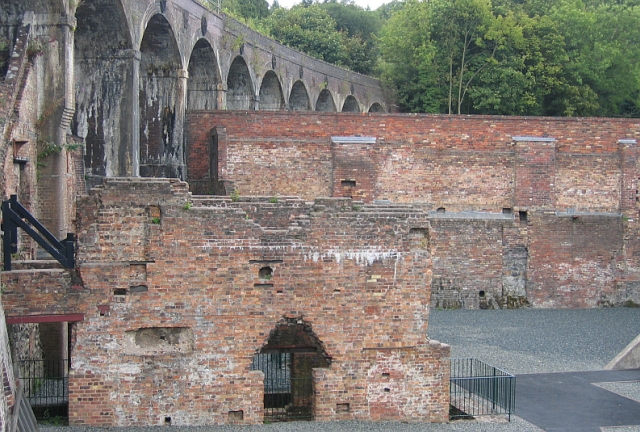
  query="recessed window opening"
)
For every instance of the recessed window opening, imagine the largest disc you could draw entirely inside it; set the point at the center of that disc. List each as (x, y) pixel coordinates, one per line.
(348, 183)
(523, 216)
(265, 273)
(119, 292)
(507, 210)
(481, 294)
(441, 210)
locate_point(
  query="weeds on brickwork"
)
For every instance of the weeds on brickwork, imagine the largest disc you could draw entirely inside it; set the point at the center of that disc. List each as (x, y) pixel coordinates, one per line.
(48, 148)
(155, 220)
(631, 304)
(37, 46)
(187, 206)
(235, 195)
(273, 199)
(356, 208)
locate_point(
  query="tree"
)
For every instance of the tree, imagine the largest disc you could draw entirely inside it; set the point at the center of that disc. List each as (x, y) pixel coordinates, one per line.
(309, 29)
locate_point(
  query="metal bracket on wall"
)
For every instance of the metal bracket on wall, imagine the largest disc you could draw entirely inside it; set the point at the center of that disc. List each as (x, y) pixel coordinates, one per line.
(15, 216)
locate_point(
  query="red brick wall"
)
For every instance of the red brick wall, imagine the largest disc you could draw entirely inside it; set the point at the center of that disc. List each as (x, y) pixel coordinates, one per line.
(359, 278)
(457, 162)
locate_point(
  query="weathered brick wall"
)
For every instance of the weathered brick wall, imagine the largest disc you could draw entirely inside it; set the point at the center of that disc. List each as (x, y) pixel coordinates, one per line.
(520, 167)
(457, 162)
(575, 259)
(359, 277)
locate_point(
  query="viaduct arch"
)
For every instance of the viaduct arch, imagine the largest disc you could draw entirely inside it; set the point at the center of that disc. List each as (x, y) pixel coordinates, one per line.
(126, 71)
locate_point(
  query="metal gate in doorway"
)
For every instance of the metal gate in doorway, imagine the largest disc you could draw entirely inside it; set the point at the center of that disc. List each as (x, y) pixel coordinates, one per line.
(287, 384)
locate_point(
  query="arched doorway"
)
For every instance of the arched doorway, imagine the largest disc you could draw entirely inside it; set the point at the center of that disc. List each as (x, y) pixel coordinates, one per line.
(239, 86)
(351, 105)
(325, 102)
(287, 360)
(299, 98)
(161, 146)
(204, 79)
(271, 93)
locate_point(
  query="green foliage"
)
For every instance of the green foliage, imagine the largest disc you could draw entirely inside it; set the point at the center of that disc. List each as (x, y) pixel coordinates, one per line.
(235, 195)
(309, 29)
(535, 57)
(273, 199)
(187, 206)
(155, 220)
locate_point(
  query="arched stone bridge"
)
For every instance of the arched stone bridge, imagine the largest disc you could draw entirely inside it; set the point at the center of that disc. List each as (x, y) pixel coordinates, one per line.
(121, 74)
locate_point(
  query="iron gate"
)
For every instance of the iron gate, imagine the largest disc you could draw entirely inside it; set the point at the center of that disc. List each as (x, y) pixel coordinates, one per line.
(46, 386)
(287, 385)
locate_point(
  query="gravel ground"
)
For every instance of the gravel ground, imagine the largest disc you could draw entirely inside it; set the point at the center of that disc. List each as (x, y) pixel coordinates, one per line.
(537, 340)
(518, 341)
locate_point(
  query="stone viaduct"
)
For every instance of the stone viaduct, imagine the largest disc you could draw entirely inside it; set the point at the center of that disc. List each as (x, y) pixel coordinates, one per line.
(119, 75)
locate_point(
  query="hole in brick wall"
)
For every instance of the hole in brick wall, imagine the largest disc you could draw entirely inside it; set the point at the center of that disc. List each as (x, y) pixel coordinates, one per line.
(441, 210)
(279, 291)
(387, 390)
(265, 273)
(523, 216)
(386, 374)
(138, 288)
(119, 292)
(507, 210)
(156, 340)
(138, 272)
(263, 285)
(154, 212)
(348, 183)
(337, 290)
(419, 238)
(167, 420)
(343, 407)
(481, 294)
(236, 415)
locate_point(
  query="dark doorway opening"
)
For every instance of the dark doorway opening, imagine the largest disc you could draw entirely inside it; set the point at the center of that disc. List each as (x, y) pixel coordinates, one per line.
(287, 361)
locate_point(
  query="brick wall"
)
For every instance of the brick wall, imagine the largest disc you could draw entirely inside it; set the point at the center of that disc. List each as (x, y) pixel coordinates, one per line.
(456, 162)
(357, 276)
(493, 186)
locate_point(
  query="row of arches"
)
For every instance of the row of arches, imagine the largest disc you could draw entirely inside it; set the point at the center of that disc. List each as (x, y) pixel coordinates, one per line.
(131, 100)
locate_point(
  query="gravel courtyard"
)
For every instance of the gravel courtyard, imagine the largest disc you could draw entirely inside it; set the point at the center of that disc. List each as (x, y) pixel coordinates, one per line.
(518, 341)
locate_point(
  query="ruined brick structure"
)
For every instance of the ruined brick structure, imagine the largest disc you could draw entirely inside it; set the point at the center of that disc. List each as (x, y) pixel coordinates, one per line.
(523, 211)
(175, 304)
(300, 220)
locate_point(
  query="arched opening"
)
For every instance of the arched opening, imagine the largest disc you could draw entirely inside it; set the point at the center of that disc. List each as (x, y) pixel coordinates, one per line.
(287, 360)
(299, 98)
(271, 98)
(160, 148)
(325, 102)
(239, 86)
(202, 88)
(350, 105)
(376, 108)
(104, 63)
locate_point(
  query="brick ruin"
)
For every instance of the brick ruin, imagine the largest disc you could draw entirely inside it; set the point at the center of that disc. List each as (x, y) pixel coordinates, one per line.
(523, 211)
(178, 293)
(321, 237)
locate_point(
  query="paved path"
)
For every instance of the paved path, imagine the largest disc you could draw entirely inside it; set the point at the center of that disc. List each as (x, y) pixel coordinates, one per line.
(569, 401)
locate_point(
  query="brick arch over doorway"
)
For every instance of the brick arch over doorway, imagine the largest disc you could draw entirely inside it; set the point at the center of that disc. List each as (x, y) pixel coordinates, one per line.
(287, 360)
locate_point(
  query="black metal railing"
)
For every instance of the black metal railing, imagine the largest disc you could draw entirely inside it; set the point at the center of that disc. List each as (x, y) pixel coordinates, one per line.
(15, 216)
(45, 383)
(478, 389)
(286, 396)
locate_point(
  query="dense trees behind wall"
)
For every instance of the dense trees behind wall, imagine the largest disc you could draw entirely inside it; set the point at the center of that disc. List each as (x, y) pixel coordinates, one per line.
(511, 57)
